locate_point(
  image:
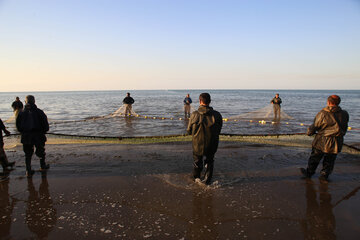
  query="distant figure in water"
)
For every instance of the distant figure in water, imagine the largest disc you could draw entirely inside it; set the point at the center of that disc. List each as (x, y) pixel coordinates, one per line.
(187, 102)
(17, 106)
(128, 102)
(276, 101)
(33, 124)
(205, 126)
(330, 126)
(3, 158)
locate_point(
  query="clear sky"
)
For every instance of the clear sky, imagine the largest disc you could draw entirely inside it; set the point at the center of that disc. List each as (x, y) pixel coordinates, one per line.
(177, 44)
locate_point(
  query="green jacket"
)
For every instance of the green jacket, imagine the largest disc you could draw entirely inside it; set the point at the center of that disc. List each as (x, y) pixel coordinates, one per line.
(205, 126)
(330, 126)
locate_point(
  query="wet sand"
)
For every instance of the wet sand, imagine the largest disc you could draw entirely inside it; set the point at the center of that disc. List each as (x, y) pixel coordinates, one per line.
(106, 191)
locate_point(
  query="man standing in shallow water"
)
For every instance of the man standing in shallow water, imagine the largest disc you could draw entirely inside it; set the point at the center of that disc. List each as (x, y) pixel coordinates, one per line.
(276, 101)
(32, 123)
(205, 126)
(17, 106)
(187, 107)
(128, 102)
(330, 126)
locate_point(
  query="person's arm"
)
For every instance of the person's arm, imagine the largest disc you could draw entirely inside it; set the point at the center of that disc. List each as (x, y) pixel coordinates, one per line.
(272, 101)
(190, 124)
(44, 122)
(280, 101)
(18, 122)
(345, 126)
(316, 126)
(190, 101)
(132, 101)
(3, 128)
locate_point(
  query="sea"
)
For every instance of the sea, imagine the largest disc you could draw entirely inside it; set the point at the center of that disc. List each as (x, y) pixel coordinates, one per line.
(81, 113)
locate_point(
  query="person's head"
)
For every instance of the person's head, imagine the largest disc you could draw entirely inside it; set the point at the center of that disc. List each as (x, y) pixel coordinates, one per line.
(128, 94)
(187, 95)
(204, 99)
(333, 100)
(17, 99)
(30, 99)
(277, 95)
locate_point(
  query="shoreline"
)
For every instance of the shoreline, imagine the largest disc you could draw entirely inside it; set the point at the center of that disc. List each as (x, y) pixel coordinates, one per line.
(144, 191)
(289, 140)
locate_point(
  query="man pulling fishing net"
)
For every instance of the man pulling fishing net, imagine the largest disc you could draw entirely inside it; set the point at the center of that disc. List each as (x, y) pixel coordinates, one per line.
(276, 101)
(330, 126)
(128, 102)
(205, 126)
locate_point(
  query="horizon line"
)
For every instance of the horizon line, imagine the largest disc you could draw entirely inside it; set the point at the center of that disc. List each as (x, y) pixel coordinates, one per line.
(194, 89)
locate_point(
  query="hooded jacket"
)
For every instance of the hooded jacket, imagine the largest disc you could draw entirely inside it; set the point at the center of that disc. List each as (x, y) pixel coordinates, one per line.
(205, 126)
(32, 123)
(330, 126)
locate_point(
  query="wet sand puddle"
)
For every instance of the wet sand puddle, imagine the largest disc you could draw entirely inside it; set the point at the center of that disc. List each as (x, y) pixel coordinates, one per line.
(144, 193)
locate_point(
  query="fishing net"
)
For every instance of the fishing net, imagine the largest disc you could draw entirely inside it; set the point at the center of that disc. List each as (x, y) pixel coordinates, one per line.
(11, 141)
(266, 113)
(121, 111)
(10, 120)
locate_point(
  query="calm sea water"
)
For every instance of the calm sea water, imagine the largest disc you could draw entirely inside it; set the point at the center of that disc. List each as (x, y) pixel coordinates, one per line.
(302, 105)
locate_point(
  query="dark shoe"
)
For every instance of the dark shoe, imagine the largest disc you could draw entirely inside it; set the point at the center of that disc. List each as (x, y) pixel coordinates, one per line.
(30, 173)
(44, 167)
(206, 181)
(305, 173)
(10, 164)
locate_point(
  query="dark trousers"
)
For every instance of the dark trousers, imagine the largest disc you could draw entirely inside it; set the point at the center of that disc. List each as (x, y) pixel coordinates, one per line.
(3, 159)
(29, 151)
(198, 166)
(315, 158)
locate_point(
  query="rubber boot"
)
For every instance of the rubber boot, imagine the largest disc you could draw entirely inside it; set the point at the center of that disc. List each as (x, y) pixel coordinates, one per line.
(4, 161)
(305, 173)
(43, 165)
(196, 172)
(29, 171)
(208, 173)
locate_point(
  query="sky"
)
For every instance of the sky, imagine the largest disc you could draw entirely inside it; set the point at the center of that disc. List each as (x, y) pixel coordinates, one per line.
(179, 44)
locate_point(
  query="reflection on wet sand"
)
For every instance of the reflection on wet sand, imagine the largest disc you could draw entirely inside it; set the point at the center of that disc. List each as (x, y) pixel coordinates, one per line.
(6, 209)
(129, 125)
(40, 213)
(320, 220)
(202, 225)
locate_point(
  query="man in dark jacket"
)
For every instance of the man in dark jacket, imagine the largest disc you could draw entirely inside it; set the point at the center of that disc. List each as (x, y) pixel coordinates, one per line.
(32, 123)
(3, 158)
(205, 126)
(330, 126)
(17, 106)
(128, 102)
(276, 102)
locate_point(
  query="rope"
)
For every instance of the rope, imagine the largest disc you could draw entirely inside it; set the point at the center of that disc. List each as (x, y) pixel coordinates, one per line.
(225, 120)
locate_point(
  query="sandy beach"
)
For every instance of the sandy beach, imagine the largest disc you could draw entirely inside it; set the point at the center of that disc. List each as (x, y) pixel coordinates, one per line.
(144, 191)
